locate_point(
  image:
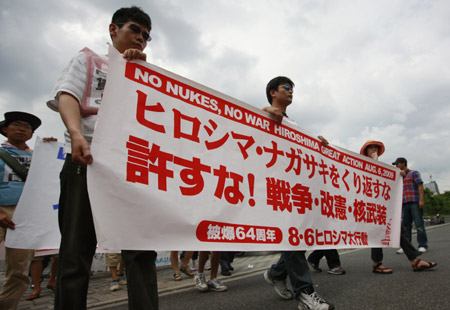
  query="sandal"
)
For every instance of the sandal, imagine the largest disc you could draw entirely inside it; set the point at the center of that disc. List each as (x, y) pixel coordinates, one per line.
(52, 287)
(33, 296)
(177, 277)
(381, 269)
(187, 271)
(416, 267)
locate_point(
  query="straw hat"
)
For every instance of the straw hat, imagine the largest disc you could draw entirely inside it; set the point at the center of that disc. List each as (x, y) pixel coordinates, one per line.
(380, 145)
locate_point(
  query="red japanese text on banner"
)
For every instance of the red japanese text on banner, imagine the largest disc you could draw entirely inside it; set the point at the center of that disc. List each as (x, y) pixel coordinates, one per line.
(180, 166)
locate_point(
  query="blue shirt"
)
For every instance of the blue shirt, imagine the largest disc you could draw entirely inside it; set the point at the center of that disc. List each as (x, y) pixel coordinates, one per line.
(11, 185)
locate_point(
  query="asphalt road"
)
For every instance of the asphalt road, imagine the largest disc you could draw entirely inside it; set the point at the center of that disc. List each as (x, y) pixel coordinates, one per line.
(358, 289)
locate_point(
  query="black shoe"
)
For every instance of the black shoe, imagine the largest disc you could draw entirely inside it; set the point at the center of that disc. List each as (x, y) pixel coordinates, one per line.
(315, 267)
(225, 272)
(231, 268)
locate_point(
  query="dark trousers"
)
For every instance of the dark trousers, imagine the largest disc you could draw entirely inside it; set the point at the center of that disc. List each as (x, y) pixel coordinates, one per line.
(226, 258)
(332, 257)
(141, 279)
(410, 251)
(78, 240)
(78, 244)
(294, 264)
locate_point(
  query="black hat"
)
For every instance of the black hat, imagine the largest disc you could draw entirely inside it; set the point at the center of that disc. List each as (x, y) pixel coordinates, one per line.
(400, 160)
(34, 121)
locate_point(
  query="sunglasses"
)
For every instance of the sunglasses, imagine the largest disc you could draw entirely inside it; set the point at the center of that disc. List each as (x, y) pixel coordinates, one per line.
(288, 87)
(136, 29)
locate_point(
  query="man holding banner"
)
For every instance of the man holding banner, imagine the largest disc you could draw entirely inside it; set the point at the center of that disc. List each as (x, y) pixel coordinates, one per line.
(279, 93)
(15, 161)
(77, 96)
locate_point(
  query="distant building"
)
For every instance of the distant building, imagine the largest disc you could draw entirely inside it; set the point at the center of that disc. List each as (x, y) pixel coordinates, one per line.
(433, 187)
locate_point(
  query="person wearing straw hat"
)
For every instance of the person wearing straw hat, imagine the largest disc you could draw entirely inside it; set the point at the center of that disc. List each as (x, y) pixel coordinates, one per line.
(375, 149)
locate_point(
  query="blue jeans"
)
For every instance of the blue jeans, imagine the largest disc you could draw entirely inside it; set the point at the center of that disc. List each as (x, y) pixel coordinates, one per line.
(294, 264)
(412, 212)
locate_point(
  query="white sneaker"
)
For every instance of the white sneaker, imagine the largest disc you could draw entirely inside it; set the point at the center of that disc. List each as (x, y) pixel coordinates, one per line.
(216, 285)
(336, 270)
(123, 282)
(422, 249)
(200, 282)
(279, 286)
(114, 286)
(400, 251)
(312, 302)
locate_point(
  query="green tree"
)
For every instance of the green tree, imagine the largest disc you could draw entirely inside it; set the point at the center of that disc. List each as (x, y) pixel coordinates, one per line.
(444, 200)
(436, 203)
(431, 204)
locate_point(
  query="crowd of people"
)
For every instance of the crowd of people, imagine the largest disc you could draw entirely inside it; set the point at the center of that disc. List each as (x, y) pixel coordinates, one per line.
(74, 98)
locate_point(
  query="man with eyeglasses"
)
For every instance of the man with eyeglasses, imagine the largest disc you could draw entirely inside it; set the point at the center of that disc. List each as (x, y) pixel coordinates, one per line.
(279, 93)
(77, 96)
(18, 127)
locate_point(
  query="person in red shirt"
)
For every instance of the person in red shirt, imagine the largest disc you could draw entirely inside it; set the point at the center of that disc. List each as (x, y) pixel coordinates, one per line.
(413, 203)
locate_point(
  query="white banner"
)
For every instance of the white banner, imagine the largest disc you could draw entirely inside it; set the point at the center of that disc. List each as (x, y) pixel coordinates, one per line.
(36, 215)
(180, 166)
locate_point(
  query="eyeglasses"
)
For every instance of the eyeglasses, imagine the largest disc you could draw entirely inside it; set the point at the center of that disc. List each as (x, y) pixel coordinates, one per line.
(136, 29)
(26, 126)
(288, 88)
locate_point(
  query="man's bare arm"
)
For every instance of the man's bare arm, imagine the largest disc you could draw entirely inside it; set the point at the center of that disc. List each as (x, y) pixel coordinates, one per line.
(69, 109)
(278, 116)
(421, 196)
(275, 112)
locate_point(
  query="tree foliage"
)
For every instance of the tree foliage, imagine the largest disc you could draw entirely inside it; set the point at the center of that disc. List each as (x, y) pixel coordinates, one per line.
(436, 203)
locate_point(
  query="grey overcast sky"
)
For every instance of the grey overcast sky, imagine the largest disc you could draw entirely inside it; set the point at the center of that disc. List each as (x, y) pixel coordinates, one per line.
(374, 69)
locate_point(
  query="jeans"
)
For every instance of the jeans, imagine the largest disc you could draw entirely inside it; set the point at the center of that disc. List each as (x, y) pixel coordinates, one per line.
(332, 257)
(294, 264)
(78, 244)
(412, 212)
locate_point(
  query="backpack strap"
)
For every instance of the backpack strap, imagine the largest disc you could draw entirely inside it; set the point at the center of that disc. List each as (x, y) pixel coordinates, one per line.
(21, 170)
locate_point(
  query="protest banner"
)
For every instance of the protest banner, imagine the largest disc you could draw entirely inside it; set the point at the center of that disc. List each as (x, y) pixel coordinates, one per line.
(178, 165)
(36, 215)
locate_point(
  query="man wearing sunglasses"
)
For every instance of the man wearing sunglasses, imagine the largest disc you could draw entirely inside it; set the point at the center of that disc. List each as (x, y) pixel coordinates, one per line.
(77, 96)
(279, 93)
